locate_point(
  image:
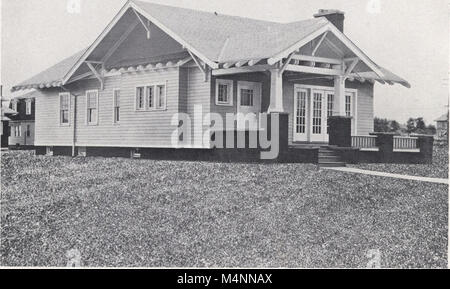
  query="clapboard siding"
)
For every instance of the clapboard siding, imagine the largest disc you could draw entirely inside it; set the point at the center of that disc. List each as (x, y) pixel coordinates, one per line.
(365, 124)
(48, 130)
(136, 129)
(198, 94)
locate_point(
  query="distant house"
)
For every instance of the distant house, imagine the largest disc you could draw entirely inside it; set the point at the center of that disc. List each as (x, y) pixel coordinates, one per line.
(5, 131)
(154, 61)
(22, 123)
(442, 127)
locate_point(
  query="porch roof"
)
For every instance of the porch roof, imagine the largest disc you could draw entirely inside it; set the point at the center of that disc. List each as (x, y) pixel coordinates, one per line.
(217, 40)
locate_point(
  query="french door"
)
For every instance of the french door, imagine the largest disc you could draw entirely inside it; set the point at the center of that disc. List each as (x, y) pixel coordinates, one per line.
(312, 107)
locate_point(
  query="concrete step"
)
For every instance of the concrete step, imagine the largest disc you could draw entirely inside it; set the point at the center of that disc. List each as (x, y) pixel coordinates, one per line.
(329, 159)
(332, 164)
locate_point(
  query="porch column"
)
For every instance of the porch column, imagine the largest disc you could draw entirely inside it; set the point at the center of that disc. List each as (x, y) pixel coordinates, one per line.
(339, 96)
(276, 91)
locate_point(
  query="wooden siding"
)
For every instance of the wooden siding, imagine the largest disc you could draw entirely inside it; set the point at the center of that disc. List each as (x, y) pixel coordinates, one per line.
(198, 94)
(136, 129)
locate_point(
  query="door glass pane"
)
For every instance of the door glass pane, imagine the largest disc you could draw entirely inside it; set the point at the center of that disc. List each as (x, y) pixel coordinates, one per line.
(348, 105)
(301, 112)
(330, 107)
(246, 97)
(317, 114)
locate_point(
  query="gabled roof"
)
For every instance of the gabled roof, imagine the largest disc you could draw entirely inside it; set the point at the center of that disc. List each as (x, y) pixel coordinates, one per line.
(214, 38)
(443, 117)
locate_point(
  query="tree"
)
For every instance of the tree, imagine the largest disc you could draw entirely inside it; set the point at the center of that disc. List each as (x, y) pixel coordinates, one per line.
(411, 125)
(381, 125)
(431, 129)
(420, 124)
(394, 126)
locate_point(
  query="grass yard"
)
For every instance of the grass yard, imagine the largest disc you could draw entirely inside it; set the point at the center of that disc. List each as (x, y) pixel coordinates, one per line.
(439, 168)
(121, 212)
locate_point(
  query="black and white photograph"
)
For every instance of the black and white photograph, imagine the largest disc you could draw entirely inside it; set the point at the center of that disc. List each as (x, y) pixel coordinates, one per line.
(224, 134)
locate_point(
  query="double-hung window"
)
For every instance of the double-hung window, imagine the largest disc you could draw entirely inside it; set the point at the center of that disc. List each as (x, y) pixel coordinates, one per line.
(161, 96)
(116, 100)
(151, 97)
(92, 107)
(140, 98)
(14, 105)
(18, 131)
(224, 92)
(64, 108)
(28, 107)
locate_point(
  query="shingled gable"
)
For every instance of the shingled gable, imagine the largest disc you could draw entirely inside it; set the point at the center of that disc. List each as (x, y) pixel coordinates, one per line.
(219, 41)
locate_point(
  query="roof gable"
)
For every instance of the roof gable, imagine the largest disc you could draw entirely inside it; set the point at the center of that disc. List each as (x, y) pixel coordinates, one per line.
(212, 37)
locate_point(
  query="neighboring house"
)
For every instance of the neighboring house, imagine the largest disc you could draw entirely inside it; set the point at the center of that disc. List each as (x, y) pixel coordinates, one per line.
(442, 127)
(5, 131)
(22, 123)
(154, 61)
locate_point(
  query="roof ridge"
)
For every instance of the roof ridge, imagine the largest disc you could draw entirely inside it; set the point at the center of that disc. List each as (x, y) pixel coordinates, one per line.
(205, 12)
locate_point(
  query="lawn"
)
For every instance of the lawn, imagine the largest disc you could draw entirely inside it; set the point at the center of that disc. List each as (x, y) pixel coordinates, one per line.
(439, 168)
(122, 212)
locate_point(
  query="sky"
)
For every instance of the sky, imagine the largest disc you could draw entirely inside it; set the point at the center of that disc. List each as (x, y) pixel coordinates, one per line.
(409, 37)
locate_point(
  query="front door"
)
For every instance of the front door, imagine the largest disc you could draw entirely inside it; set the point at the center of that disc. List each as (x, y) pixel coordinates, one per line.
(248, 104)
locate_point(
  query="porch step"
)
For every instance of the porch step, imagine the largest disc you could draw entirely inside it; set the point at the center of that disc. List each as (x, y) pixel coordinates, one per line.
(332, 165)
(329, 158)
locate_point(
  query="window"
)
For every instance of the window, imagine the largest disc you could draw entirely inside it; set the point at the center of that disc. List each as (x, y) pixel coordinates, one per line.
(18, 131)
(140, 98)
(64, 108)
(224, 92)
(28, 130)
(28, 107)
(348, 105)
(246, 97)
(151, 97)
(116, 100)
(161, 96)
(14, 105)
(92, 107)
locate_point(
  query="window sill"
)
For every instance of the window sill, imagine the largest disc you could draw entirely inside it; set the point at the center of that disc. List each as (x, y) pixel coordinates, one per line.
(224, 104)
(151, 110)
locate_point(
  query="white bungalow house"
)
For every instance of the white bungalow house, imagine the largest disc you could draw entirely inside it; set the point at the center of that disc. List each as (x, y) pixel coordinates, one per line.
(153, 61)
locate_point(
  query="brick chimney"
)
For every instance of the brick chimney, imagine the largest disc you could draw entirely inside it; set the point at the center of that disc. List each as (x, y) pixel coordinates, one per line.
(334, 16)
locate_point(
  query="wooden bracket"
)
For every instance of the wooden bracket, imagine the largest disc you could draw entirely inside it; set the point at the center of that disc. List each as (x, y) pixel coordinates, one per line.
(146, 24)
(203, 67)
(95, 72)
